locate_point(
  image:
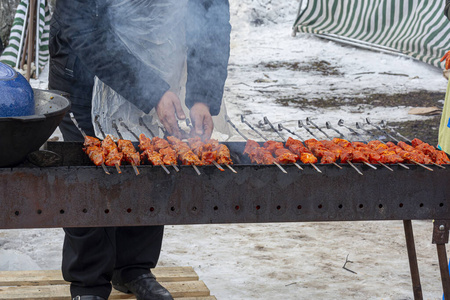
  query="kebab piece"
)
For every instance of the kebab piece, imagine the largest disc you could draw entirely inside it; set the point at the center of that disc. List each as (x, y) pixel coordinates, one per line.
(205, 151)
(330, 152)
(184, 153)
(439, 157)
(282, 155)
(149, 153)
(260, 155)
(113, 155)
(355, 154)
(388, 155)
(223, 156)
(169, 156)
(130, 154)
(92, 147)
(305, 155)
(415, 157)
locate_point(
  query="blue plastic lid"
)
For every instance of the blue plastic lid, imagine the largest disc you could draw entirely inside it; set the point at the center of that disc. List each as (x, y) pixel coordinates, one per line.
(16, 94)
(7, 73)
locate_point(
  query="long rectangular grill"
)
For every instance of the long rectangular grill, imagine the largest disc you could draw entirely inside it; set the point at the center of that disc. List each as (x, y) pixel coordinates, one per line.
(78, 194)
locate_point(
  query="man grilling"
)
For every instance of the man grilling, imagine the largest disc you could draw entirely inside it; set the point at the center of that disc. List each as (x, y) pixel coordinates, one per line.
(87, 40)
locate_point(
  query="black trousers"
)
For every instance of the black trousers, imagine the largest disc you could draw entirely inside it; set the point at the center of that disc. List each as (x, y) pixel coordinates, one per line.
(93, 257)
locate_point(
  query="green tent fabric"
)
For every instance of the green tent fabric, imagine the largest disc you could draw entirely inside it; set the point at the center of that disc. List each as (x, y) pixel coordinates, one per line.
(11, 55)
(417, 28)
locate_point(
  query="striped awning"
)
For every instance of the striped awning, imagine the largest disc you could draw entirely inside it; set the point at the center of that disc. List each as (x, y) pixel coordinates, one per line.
(12, 53)
(416, 28)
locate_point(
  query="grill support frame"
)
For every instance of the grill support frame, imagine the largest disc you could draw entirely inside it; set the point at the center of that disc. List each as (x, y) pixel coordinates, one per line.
(84, 196)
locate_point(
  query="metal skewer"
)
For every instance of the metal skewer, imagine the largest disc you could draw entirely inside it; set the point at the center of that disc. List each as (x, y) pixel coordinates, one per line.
(252, 128)
(380, 129)
(114, 125)
(341, 123)
(383, 124)
(360, 126)
(281, 127)
(72, 117)
(266, 121)
(300, 125)
(141, 123)
(99, 126)
(328, 124)
(128, 129)
(234, 126)
(308, 121)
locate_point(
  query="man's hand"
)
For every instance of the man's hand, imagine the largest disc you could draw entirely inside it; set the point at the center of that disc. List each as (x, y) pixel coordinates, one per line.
(167, 108)
(201, 120)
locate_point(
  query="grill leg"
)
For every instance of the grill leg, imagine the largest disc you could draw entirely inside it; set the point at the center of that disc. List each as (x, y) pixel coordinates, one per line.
(414, 268)
(440, 238)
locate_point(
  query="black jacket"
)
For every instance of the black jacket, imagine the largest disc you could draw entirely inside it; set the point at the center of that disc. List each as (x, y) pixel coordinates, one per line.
(82, 45)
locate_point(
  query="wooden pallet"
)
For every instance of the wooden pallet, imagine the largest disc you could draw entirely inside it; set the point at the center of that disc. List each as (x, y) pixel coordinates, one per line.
(182, 282)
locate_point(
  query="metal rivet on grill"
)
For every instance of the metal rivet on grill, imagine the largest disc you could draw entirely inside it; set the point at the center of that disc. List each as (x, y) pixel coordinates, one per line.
(441, 227)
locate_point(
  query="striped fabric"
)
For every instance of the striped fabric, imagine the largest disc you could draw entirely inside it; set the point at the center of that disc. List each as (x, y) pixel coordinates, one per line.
(417, 28)
(17, 36)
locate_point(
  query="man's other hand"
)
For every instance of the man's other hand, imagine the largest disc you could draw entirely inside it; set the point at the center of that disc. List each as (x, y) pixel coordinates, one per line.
(201, 120)
(168, 108)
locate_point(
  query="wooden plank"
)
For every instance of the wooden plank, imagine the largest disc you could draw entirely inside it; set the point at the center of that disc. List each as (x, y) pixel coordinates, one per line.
(51, 277)
(61, 292)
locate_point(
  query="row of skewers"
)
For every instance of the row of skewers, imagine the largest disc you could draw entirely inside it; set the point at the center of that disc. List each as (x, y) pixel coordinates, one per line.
(195, 152)
(156, 151)
(334, 150)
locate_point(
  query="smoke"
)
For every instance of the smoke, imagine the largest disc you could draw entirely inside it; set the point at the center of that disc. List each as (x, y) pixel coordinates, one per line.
(186, 43)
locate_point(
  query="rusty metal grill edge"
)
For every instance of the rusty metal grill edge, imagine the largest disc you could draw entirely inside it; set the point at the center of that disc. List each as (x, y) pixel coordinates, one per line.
(73, 195)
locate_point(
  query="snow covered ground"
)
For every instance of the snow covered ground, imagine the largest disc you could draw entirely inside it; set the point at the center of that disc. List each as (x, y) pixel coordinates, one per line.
(292, 260)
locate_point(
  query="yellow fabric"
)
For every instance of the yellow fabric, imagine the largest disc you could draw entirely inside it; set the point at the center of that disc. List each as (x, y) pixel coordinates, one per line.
(444, 128)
